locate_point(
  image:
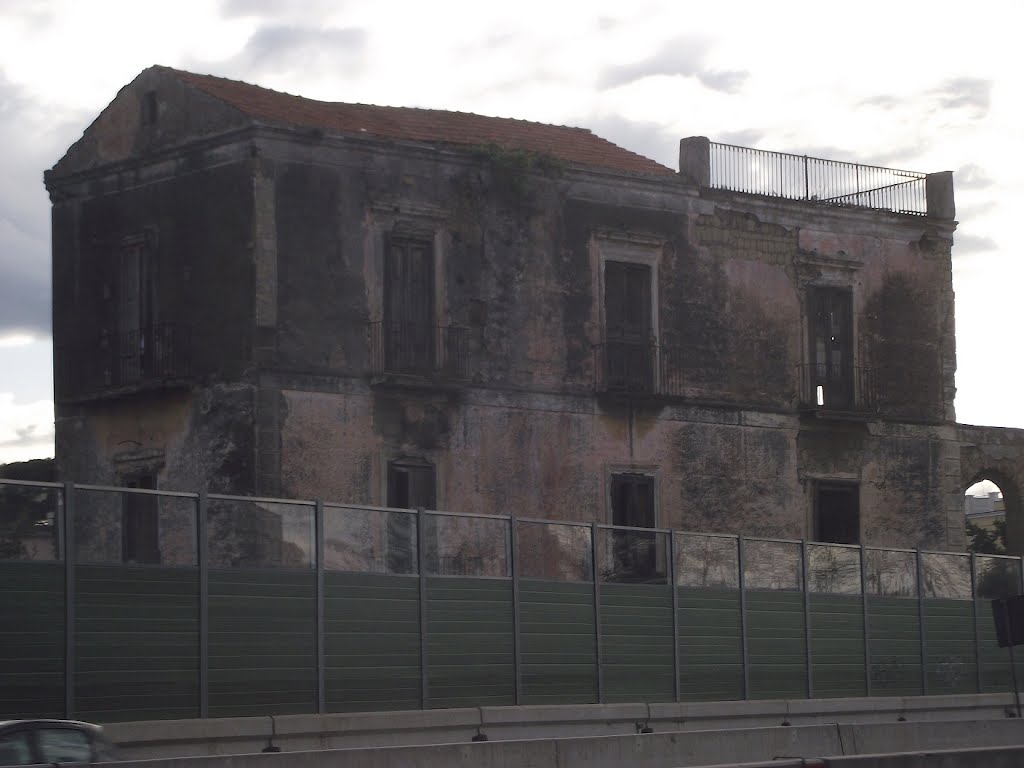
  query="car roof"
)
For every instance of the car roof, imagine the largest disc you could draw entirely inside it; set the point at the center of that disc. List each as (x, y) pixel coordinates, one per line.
(78, 724)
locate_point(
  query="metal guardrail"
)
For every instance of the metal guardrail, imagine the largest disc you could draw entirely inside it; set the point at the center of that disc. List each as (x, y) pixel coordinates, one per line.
(418, 350)
(160, 352)
(838, 387)
(833, 182)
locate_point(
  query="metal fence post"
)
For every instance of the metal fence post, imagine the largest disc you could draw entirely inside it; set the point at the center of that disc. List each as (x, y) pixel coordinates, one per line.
(421, 538)
(864, 619)
(974, 618)
(808, 660)
(597, 611)
(745, 656)
(203, 556)
(68, 526)
(675, 612)
(321, 655)
(920, 623)
(516, 647)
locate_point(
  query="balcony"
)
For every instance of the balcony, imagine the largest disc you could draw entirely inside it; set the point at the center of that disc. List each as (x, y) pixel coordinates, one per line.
(156, 355)
(626, 367)
(418, 351)
(838, 390)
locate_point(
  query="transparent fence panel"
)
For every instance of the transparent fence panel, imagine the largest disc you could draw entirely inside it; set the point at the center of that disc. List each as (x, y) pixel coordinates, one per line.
(772, 565)
(996, 576)
(369, 540)
(891, 573)
(833, 570)
(465, 546)
(946, 575)
(632, 556)
(29, 522)
(554, 551)
(130, 525)
(707, 561)
(259, 534)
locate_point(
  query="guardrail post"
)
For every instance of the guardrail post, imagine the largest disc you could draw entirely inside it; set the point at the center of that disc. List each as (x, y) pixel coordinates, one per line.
(513, 549)
(675, 612)
(421, 539)
(864, 619)
(808, 660)
(597, 611)
(203, 556)
(321, 671)
(974, 618)
(68, 527)
(920, 623)
(745, 655)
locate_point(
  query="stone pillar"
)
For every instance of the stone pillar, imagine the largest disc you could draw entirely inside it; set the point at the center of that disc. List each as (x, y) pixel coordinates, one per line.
(939, 194)
(695, 161)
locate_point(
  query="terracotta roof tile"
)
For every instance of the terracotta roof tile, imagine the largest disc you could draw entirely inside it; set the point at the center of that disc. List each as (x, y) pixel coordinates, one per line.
(573, 145)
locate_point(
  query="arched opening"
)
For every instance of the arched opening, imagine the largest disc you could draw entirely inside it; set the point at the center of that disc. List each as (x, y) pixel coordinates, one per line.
(992, 502)
(985, 518)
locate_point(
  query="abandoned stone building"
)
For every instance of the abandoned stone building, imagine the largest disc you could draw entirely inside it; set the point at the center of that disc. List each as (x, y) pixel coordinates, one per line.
(258, 293)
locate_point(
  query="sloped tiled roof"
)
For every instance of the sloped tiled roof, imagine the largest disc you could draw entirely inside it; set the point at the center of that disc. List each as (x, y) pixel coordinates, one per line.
(573, 145)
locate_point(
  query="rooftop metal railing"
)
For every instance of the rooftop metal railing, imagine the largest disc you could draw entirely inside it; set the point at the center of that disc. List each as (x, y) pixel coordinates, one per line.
(833, 182)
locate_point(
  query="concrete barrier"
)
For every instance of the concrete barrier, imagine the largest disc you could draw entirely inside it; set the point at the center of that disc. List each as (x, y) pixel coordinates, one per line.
(162, 738)
(671, 749)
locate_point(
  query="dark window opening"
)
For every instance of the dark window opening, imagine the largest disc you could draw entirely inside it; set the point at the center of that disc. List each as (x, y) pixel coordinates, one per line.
(140, 523)
(629, 340)
(150, 108)
(134, 314)
(831, 347)
(411, 485)
(409, 316)
(634, 553)
(837, 513)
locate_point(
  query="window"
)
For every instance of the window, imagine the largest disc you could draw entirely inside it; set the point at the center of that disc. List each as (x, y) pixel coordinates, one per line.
(15, 749)
(140, 524)
(409, 315)
(634, 553)
(149, 108)
(629, 338)
(830, 332)
(134, 312)
(411, 485)
(837, 513)
(63, 745)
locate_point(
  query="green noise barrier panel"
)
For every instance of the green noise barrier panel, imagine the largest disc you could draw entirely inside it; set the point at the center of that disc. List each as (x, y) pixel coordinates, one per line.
(837, 645)
(31, 640)
(995, 661)
(776, 645)
(470, 651)
(949, 646)
(372, 642)
(710, 644)
(136, 642)
(262, 642)
(895, 642)
(557, 642)
(636, 642)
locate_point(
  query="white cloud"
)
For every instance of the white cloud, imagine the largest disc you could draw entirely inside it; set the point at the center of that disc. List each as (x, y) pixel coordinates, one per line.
(26, 429)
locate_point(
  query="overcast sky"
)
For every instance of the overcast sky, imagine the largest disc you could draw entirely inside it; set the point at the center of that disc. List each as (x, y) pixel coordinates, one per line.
(926, 86)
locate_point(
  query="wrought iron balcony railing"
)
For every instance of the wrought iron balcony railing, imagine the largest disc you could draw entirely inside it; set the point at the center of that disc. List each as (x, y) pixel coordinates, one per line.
(799, 177)
(159, 352)
(627, 367)
(833, 387)
(418, 350)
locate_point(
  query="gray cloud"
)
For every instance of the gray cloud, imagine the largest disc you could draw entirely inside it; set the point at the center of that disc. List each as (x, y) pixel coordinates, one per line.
(275, 49)
(680, 57)
(970, 93)
(647, 139)
(974, 243)
(34, 136)
(279, 9)
(972, 176)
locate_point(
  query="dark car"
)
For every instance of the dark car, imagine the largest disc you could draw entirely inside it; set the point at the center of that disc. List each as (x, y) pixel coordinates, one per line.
(28, 742)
